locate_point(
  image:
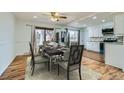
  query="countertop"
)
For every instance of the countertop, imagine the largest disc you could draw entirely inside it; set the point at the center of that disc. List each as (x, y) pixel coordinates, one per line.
(117, 43)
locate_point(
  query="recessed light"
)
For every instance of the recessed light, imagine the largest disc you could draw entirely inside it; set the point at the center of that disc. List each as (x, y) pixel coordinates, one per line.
(34, 16)
(103, 20)
(94, 17)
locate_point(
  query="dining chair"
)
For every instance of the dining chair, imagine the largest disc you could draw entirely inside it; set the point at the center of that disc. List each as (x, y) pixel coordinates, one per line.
(36, 59)
(74, 62)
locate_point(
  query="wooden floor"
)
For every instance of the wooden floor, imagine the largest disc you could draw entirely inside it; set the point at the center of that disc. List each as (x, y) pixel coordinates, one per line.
(94, 55)
(16, 70)
(108, 72)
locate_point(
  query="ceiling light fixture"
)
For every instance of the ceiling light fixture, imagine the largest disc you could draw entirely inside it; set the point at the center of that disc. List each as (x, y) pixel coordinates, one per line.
(94, 17)
(34, 16)
(53, 19)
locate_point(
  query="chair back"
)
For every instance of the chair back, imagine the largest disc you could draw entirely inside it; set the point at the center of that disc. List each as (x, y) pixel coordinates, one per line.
(32, 53)
(66, 55)
(75, 55)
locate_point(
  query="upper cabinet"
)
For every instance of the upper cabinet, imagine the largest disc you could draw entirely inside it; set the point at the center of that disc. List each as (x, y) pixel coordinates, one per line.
(92, 32)
(95, 31)
(119, 24)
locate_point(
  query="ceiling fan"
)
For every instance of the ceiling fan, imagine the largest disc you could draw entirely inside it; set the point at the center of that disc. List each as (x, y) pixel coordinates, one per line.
(54, 16)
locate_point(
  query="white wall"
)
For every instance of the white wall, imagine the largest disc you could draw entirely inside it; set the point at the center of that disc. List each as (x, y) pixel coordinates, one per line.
(23, 35)
(85, 37)
(7, 43)
(82, 37)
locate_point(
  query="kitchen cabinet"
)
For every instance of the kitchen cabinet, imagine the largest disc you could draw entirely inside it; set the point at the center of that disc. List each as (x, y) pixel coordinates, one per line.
(100, 33)
(88, 46)
(114, 55)
(95, 31)
(119, 24)
(93, 46)
(90, 33)
(96, 46)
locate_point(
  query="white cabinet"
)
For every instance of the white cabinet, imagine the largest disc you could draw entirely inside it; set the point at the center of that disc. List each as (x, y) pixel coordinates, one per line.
(88, 46)
(96, 46)
(100, 33)
(93, 46)
(119, 24)
(95, 31)
(90, 32)
(114, 55)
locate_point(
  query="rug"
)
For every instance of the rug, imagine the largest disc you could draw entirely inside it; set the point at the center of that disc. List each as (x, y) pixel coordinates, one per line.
(41, 73)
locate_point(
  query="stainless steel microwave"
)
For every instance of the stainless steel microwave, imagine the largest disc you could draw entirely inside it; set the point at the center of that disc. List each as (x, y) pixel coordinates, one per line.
(107, 31)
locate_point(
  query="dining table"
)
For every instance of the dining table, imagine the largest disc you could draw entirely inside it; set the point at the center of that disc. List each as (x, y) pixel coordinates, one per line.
(52, 53)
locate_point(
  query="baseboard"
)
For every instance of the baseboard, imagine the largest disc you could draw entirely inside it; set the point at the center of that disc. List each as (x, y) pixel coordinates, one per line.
(91, 51)
(23, 54)
(3, 70)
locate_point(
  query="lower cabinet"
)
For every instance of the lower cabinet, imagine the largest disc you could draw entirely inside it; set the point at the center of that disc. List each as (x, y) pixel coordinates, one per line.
(88, 46)
(93, 46)
(114, 55)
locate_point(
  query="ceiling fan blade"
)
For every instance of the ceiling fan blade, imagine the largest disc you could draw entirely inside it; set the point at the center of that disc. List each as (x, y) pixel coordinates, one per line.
(64, 17)
(55, 14)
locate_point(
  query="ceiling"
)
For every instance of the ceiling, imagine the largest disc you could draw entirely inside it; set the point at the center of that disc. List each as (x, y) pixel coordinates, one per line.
(74, 19)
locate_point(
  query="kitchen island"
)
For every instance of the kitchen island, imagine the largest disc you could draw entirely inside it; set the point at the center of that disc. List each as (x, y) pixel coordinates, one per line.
(114, 54)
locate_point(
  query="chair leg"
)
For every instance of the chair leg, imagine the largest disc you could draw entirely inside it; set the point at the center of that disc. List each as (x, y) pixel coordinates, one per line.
(67, 74)
(31, 63)
(58, 69)
(80, 73)
(33, 66)
(48, 66)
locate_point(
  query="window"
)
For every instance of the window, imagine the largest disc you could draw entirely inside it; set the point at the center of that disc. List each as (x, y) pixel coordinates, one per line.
(49, 35)
(39, 36)
(73, 36)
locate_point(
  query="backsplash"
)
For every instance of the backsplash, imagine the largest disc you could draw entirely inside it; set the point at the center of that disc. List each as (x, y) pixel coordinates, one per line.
(96, 39)
(120, 39)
